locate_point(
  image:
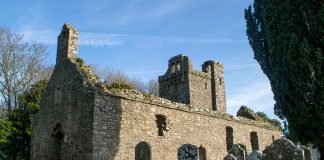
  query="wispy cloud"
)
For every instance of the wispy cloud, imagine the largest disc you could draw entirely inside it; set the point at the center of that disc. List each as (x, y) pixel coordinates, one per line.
(99, 39)
(49, 37)
(199, 40)
(253, 95)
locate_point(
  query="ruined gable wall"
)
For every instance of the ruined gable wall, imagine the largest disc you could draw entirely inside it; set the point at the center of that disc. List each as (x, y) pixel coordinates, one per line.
(62, 129)
(138, 123)
(69, 103)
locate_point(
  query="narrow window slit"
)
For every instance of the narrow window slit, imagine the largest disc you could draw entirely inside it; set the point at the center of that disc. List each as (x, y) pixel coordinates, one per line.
(161, 124)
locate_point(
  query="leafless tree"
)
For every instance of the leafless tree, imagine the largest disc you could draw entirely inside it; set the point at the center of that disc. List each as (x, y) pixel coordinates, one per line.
(153, 87)
(109, 76)
(21, 65)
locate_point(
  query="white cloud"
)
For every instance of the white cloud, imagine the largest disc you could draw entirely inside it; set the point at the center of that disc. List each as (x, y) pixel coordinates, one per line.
(99, 39)
(256, 95)
(49, 37)
(43, 36)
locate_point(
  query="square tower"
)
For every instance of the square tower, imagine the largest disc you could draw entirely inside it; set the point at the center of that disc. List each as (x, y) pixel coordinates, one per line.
(202, 89)
(174, 85)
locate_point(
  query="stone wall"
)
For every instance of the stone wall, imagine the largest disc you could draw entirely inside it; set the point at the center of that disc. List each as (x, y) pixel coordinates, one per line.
(204, 89)
(174, 85)
(62, 129)
(138, 123)
(81, 119)
(200, 90)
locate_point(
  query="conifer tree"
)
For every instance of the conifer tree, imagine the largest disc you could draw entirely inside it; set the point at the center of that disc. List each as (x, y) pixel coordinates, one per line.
(287, 37)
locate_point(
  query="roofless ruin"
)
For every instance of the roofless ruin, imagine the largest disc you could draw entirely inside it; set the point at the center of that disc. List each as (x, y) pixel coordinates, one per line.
(79, 118)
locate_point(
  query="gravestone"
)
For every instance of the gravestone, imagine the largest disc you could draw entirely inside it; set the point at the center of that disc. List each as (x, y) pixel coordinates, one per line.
(238, 151)
(188, 152)
(315, 154)
(283, 149)
(255, 155)
(230, 157)
(307, 152)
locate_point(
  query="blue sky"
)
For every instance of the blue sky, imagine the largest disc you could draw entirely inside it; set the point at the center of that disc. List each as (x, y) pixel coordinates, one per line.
(138, 37)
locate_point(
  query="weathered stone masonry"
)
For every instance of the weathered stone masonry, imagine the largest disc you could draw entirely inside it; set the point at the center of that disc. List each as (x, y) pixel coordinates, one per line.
(81, 119)
(183, 84)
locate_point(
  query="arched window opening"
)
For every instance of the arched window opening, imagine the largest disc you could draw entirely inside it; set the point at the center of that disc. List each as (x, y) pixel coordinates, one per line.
(178, 66)
(254, 141)
(202, 153)
(56, 144)
(229, 138)
(143, 151)
(173, 69)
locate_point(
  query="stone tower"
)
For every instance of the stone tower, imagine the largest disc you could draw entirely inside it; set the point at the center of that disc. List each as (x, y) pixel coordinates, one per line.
(202, 89)
(67, 44)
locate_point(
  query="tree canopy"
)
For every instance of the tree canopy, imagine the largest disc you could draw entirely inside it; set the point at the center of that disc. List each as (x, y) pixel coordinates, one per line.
(15, 135)
(287, 37)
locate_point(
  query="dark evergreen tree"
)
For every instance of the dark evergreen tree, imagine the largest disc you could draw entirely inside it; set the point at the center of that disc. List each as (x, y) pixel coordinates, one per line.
(17, 143)
(287, 37)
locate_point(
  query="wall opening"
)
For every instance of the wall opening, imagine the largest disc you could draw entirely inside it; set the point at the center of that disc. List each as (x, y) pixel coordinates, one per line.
(254, 141)
(229, 138)
(220, 81)
(178, 66)
(161, 124)
(202, 153)
(143, 151)
(188, 151)
(206, 85)
(56, 144)
(172, 68)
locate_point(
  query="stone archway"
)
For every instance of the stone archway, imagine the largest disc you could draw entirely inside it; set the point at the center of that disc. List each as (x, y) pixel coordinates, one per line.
(56, 143)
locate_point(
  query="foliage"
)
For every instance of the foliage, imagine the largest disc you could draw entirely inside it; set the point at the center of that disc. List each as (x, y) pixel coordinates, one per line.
(119, 86)
(287, 37)
(6, 130)
(265, 118)
(20, 119)
(248, 113)
(80, 61)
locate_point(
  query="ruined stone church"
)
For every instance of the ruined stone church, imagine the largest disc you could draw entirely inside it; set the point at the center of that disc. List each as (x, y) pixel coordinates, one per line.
(80, 119)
